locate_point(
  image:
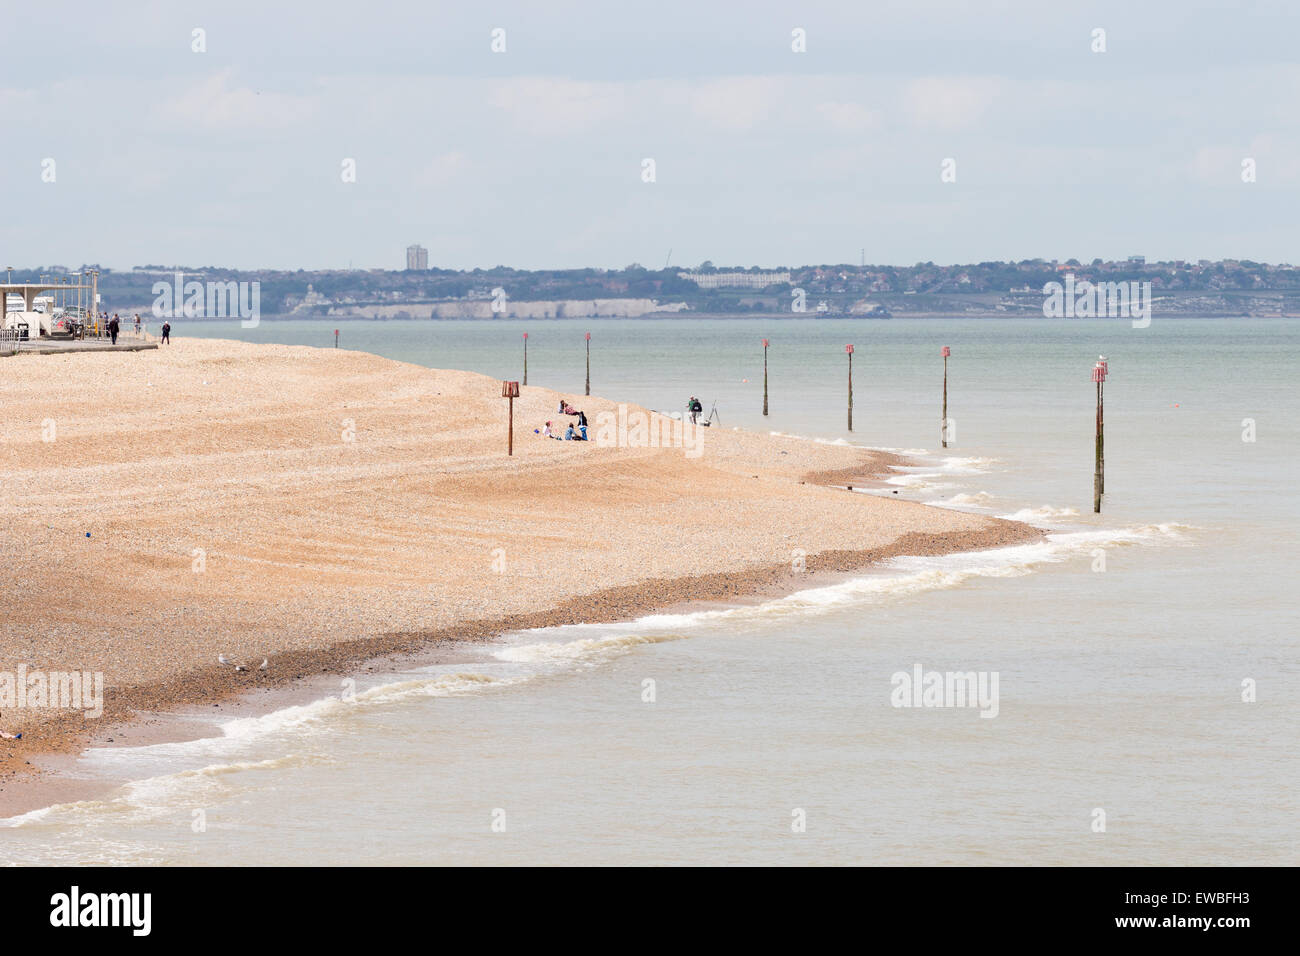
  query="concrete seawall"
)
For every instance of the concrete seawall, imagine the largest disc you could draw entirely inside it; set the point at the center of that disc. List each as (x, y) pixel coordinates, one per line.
(60, 348)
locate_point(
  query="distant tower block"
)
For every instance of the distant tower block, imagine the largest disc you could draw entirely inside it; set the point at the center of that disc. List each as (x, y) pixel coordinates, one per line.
(417, 257)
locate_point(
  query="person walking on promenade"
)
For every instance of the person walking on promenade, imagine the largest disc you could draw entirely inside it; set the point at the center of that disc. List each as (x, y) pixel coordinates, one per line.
(112, 329)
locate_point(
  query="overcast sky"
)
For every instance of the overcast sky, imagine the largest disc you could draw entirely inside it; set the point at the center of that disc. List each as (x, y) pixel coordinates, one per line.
(534, 157)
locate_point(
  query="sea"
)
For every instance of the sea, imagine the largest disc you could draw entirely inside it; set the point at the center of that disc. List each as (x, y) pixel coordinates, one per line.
(1141, 665)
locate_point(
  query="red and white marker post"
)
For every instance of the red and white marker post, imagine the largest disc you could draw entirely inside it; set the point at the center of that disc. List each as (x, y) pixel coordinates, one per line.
(1099, 372)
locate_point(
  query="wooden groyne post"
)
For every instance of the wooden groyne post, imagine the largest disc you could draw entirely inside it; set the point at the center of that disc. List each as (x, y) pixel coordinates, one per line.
(510, 391)
(336, 338)
(943, 422)
(525, 358)
(588, 363)
(849, 350)
(764, 376)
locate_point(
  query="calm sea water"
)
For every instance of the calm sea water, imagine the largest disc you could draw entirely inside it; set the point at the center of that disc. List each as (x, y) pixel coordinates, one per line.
(1121, 644)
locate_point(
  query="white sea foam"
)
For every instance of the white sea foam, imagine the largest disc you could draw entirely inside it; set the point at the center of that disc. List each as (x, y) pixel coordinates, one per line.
(968, 466)
(150, 797)
(584, 650)
(237, 735)
(912, 478)
(978, 501)
(906, 576)
(154, 796)
(920, 481)
(809, 438)
(1045, 513)
(158, 793)
(931, 477)
(31, 816)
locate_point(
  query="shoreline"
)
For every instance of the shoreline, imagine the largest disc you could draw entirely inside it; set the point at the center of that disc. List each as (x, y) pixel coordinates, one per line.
(331, 556)
(303, 677)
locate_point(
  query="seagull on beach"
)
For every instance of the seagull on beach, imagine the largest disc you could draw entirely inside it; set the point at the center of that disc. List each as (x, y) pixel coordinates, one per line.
(265, 664)
(223, 659)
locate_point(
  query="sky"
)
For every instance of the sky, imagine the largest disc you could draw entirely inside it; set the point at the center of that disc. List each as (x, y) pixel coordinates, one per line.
(903, 132)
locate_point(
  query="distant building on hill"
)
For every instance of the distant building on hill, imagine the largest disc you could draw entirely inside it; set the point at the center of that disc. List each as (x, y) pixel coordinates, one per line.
(417, 257)
(735, 280)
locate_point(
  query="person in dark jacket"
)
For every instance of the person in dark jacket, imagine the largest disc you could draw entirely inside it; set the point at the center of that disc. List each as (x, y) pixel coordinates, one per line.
(167, 333)
(112, 329)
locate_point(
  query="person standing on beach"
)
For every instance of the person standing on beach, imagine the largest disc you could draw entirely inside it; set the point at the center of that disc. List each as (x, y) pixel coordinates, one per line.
(694, 406)
(167, 331)
(112, 329)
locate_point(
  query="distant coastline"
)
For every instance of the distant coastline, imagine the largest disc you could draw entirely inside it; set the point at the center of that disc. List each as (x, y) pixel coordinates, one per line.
(1203, 288)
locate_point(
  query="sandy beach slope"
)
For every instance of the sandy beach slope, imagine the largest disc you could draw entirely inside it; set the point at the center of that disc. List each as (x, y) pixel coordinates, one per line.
(317, 507)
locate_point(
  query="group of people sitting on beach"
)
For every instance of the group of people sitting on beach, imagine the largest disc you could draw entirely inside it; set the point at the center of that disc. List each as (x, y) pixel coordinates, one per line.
(576, 431)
